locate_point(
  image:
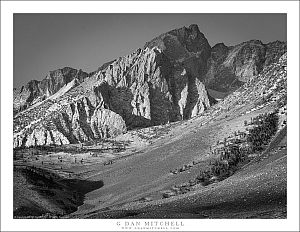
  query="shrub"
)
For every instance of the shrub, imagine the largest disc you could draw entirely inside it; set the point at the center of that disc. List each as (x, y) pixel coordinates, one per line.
(262, 133)
(231, 155)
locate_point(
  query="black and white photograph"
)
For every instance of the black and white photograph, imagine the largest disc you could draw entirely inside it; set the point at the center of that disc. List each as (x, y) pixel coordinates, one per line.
(131, 116)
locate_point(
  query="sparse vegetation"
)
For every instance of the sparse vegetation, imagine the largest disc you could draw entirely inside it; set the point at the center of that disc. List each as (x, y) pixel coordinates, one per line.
(231, 155)
(261, 134)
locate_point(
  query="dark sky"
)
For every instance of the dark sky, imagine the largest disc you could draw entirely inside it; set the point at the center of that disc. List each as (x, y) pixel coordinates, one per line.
(44, 42)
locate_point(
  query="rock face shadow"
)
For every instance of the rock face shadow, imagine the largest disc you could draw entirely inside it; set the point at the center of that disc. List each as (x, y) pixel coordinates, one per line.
(57, 195)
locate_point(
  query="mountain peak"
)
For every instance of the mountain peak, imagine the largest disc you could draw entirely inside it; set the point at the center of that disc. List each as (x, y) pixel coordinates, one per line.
(181, 43)
(194, 27)
(168, 80)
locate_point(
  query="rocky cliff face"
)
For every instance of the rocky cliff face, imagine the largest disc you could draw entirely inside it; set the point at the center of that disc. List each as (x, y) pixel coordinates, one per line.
(230, 67)
(269, 87)
(37, 91)
(163, 82)
(151, 86)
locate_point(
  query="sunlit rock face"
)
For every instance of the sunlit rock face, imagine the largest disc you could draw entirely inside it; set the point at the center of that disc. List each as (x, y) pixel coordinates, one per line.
(167, 80)
(37, 91)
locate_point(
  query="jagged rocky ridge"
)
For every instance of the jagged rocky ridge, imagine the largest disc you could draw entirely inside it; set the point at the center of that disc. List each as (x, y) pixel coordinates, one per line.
(165, 81)
(37, 91)
(229, 67)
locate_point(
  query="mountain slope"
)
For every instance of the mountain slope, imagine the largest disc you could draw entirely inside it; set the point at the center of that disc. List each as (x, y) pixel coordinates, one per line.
(142, 89)
(149, 124)
(257, 190)
(166, 81)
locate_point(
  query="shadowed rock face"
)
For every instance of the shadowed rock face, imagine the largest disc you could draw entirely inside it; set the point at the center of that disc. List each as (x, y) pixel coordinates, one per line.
(230, 67)
(187, 47)
(163, 82)
(150, 85)
(274, 51)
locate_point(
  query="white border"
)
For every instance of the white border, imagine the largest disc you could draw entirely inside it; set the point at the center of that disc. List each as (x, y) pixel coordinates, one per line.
(7, 10)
